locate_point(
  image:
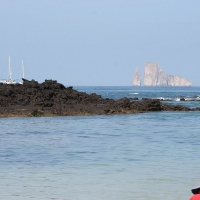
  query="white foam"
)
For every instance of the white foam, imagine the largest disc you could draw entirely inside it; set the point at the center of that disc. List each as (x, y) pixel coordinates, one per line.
(133, 93)
(164, 99)
(198, 98)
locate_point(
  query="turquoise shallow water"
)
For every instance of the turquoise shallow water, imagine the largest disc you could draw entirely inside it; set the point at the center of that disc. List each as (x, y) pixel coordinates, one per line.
(137, 156)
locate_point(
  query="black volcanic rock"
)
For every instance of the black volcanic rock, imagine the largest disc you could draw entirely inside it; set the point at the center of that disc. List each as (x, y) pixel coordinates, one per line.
(52, 99)
(167, 107)
(182, 99)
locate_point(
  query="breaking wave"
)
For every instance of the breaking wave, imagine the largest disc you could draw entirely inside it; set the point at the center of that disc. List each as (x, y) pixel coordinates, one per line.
(179, 98)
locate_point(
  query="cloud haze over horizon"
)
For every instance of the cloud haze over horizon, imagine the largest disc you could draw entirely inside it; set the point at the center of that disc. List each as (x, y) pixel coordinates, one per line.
(96, 43)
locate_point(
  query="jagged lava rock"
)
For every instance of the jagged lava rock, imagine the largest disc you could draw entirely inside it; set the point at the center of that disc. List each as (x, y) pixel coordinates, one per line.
(54, 99)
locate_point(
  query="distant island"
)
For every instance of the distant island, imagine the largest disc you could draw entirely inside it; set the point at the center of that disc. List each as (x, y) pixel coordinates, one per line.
(155, 76)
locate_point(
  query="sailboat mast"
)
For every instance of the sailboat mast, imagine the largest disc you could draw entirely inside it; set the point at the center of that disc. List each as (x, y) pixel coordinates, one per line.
(22, 69)
(10, 73)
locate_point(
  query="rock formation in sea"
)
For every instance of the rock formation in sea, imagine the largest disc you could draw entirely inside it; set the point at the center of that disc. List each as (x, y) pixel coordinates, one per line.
(155, 76)
(136, 79)
(54, 99)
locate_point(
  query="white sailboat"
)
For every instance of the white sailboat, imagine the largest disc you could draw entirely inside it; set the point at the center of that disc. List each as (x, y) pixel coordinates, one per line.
(21, 82)
(10, 80)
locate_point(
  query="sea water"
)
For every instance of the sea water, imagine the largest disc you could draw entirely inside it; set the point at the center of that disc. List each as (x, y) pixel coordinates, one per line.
(150, 156)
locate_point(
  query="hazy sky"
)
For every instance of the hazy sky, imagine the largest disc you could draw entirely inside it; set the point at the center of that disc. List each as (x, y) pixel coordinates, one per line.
(99, 42)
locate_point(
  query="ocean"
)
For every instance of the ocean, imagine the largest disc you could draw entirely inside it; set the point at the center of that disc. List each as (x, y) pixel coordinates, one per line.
(151, 155)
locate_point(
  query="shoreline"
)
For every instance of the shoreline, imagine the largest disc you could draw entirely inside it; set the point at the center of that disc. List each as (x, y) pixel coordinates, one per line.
(33, 99)
(72, 115)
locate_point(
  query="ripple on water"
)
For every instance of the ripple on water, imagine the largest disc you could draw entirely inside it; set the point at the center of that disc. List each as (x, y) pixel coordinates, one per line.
(100, 157)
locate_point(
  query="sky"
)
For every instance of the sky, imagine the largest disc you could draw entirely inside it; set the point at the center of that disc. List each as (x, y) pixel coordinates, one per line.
(99, 42)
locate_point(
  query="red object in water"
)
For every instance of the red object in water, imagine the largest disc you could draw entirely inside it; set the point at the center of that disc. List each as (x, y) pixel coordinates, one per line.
(195, 197)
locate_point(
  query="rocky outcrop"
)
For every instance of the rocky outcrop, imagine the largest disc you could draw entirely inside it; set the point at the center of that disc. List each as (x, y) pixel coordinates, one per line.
(155, 76)
(136, 79)
(178, 81)
(54, 99)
